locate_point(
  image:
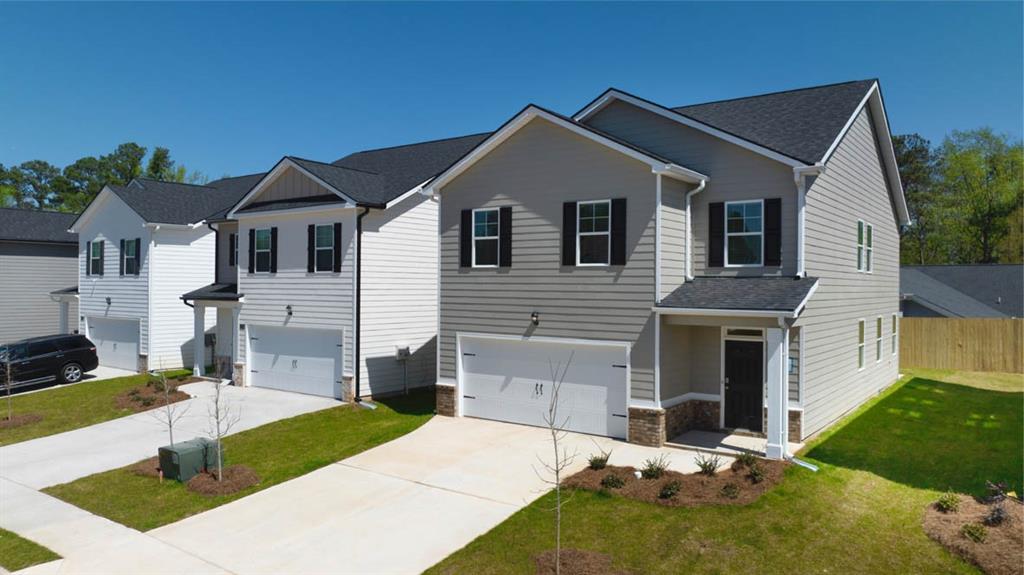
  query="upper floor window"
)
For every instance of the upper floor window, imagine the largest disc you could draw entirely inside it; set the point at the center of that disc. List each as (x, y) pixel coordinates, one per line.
(96, 258)
(860, 344)
(593, 233)
(325, 248)
(744, 233)
(262, 250)
(131, 257)
(865, 244)
(486, 230)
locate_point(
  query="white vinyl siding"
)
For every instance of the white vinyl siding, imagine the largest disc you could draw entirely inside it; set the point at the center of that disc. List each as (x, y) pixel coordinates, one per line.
(182, 261)
(28, 273)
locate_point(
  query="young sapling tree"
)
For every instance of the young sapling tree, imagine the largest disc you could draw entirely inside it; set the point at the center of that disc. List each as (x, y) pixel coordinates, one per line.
(223, 416)
(170, 412)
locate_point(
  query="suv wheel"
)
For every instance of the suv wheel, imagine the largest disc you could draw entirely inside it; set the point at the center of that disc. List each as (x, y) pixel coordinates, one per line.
(71, 373)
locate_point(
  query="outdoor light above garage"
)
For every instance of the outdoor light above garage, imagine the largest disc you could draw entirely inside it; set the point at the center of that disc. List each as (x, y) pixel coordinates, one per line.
(535, 318)
(288, 308)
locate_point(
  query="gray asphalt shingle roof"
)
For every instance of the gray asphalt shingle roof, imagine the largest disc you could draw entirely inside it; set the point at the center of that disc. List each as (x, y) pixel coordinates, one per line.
(740, 293)
(966, 290)
(36, 226)
(215, 291)
(173, 203)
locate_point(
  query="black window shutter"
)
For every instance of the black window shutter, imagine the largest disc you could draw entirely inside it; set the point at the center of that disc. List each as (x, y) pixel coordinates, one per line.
(505, 237)
(311, 248)
(773, 232)
(337, 247)
(716, 235)
(102, 259)
(273, 250)
(569, 234)
(88, 258)
(120, 270)
(232, 239)
(466, 239)
(252, 251)
(138, 255)
(618, 232)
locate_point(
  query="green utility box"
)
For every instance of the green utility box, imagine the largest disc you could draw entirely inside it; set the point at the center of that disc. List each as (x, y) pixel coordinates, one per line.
(186, 459)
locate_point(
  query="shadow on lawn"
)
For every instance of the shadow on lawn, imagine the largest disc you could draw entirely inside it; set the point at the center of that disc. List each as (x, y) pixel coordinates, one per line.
(935, 435)
(418, 402)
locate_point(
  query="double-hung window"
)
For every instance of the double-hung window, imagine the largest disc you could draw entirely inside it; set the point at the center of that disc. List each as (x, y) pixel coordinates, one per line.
(878, 339)
(324, 248)
(263, 250)
(96, 258)
(744, 233)
(895, 330)
(860, 344)
(131, 258)
(485, 238)
(593, 233)
(865, 246)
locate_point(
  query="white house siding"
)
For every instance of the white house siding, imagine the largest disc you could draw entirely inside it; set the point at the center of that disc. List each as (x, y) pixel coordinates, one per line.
(28, 273)
(182, 261)
(129, 295)
(534, 172)
(399, 295)
(672, 257)
(322, 300)
(853, 187)
(736, 174)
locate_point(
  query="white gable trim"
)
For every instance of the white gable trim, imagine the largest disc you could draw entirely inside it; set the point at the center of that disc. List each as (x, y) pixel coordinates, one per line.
(532, 112)
(613, 95)
(276, 173)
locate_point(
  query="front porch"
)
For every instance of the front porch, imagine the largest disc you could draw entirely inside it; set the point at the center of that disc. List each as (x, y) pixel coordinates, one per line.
(227, 301)
(726, 443)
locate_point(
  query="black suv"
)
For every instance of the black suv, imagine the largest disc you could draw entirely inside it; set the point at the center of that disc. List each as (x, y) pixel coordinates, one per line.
(63, 358)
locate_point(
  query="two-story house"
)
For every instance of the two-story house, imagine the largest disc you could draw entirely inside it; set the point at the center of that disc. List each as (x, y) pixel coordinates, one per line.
(730, 265)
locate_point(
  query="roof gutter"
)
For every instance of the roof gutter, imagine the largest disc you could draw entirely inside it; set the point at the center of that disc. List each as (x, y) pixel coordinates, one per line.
(800, 174)
(689, 228)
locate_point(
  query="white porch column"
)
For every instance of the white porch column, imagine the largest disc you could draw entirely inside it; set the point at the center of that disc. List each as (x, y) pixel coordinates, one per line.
(776, 350)
(64, 316)
(235, 311)
(198, 339)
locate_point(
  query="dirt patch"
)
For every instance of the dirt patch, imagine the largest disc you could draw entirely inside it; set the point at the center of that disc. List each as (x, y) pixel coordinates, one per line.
(576, 562)
(1001, 551)
(19, 420)
(236, 478)
(147, 467)
(732, 486)
(151, 395)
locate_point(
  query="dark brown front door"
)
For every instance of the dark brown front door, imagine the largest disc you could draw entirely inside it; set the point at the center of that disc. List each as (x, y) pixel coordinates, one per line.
(743, 384)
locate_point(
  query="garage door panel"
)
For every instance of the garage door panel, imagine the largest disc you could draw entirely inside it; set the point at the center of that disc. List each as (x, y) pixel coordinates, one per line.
(296, 359)
(116, 340)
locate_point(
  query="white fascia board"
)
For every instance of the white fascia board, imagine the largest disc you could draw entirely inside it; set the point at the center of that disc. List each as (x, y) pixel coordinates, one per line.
(613, 95)
(274, 174)
(803, 304)
(161, 226)
(417, 190)
(529, 114)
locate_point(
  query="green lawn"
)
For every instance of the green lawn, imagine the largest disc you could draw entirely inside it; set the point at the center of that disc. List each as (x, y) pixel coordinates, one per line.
(18, 553)
(861, 513)
(277, 451)
(64, 408)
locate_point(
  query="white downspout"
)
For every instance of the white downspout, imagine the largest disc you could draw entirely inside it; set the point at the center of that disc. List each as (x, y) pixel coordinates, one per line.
(689, 229)
(657, 239)
(800, 174)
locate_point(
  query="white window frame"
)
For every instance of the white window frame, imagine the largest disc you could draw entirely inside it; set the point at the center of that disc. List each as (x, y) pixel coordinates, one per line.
(496, 237)
(95, 255)
(895, 333)
(861, 338)
(257, 251)
(725, 248)
(317, 249)
(607, 233)
(134, 258)
(865, 247)
(879, 328)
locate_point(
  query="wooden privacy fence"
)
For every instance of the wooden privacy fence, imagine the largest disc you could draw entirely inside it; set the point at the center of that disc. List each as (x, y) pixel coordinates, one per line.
(969, 344)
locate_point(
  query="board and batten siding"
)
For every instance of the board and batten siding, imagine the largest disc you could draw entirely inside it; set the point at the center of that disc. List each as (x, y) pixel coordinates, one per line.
(113, 221)
(399, 295)
(291, 184)
(321, 300)
(534, 171)
(28, 273)
(735, 174)
(853, 187)
(180, 261)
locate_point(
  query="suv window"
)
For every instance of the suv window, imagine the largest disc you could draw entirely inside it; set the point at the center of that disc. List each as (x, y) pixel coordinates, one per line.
(73, 342)
(13, 353)
(37, 348)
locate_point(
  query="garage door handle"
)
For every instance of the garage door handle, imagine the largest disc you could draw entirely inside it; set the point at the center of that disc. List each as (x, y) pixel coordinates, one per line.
(623, 366)
(469, 354)
(469, 397)
(618, 415)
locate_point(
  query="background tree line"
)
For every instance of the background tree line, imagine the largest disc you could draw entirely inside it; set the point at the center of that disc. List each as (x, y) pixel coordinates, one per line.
(39, 185)
(965, 196)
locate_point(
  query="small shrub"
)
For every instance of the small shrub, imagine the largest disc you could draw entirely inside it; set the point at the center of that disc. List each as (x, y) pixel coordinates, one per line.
(756, 473)
(948, 502)
(730, 491)
(147, 401)
(612, 481)
(708, 463)
(134, 394)
(746, 459)
(600, 460)
(974, 531)
(996, 515)
(996, 492)
(669, 490)
(654, 468)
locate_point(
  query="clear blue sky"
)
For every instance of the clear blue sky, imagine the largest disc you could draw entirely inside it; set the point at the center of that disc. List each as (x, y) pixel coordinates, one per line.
(230, 88)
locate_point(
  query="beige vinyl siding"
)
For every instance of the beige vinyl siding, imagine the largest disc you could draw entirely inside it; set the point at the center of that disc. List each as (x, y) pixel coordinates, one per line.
(853, 187)
(673, 235)
(736, 174)
(226, 273)
(690, 360)
(181, 261)
(291, 184)
(399, 295)
(28, 273)
(534, 172)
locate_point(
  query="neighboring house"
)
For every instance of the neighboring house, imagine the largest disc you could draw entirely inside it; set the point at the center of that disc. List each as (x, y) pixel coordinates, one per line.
(140, 246)
(979, 290)
(725, 265)
(327, 274)
(37, 256)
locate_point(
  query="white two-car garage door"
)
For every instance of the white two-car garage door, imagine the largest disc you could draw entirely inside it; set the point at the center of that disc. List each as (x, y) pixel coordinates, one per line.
(117, 341)
(511, 380)
(296, 359)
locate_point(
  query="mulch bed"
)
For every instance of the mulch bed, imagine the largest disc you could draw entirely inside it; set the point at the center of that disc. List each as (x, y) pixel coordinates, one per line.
(236, 478)
(695, 489)
(150, 395)
(20, 419)
(1002, 551)
(147, 467)
(576, 562)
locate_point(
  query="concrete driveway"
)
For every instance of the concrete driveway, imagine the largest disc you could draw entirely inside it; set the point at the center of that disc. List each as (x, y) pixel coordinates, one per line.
(398, 508)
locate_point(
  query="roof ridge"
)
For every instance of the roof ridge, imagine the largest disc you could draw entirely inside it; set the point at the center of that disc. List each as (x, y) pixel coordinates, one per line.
(775, 93)
(330, 165)
(171, 182)
(434, 141)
